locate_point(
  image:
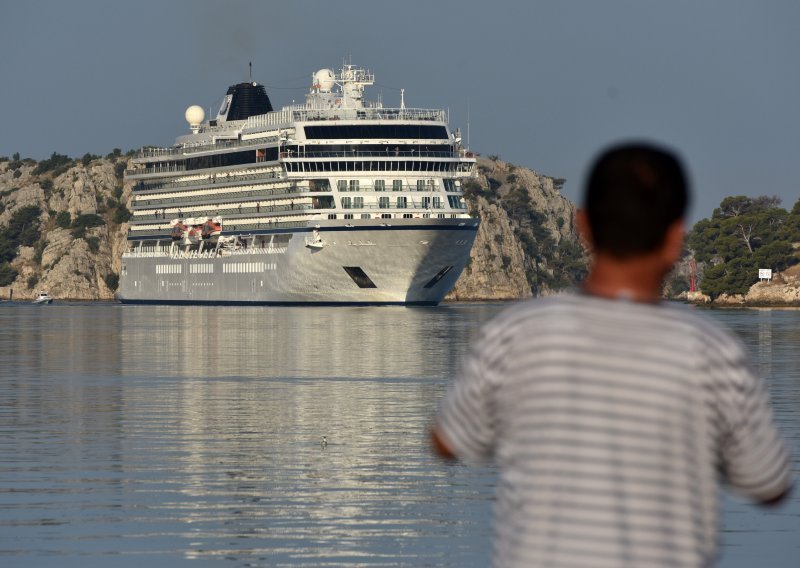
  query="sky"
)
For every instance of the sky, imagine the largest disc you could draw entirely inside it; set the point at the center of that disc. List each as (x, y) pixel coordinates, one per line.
(542, 84)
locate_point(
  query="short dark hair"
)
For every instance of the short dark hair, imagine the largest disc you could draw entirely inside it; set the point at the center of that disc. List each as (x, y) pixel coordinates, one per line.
(634, 193)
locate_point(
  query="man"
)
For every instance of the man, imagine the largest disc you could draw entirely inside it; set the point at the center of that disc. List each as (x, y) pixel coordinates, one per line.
(613, 418)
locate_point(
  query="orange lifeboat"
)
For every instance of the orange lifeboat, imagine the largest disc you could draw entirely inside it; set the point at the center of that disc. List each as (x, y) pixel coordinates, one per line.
(212, 228)
(177, 231)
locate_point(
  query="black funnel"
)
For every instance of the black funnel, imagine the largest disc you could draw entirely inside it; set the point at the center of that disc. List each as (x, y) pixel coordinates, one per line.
(249, 99)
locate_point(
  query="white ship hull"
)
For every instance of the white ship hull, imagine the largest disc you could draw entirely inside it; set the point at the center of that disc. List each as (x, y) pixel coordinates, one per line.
(403, 261)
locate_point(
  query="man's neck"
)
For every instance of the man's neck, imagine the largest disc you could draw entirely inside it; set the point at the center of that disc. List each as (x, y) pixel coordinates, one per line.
(638, 279)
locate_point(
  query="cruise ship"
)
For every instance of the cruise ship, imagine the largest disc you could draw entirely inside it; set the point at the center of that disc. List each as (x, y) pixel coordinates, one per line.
(334, 201)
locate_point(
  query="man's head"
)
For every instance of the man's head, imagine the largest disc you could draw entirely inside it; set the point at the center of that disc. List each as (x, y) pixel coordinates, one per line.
(635, 195)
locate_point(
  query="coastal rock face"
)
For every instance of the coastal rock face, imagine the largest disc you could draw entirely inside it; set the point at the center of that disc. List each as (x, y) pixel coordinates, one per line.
(496, 266)
(527, 243)
(68, 261)
(783, 290)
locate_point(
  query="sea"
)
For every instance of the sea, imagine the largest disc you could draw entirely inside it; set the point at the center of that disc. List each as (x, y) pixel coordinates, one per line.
(278, 436)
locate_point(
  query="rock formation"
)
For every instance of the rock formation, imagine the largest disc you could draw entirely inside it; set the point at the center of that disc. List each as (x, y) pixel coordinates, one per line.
(527, 243)
(782, 290)
(68, 262)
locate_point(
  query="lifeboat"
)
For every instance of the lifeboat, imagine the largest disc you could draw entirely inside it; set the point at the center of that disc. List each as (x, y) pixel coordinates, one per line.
(212, 228)
(178, 229)
(194, 234)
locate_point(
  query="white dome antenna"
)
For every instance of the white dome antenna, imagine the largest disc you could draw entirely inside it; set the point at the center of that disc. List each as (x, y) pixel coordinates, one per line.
(324, 80)
(194, 116)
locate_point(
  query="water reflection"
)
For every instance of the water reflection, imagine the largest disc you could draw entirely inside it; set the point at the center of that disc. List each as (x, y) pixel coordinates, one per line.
(291, 342)
(194, 433)
(163, 435)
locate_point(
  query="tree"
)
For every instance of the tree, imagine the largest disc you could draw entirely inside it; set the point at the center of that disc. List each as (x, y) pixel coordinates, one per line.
(7, 274)
(56, 162)
(121, 215)
(742, 235)
(63, 219)
(23, 227)
(112, 281)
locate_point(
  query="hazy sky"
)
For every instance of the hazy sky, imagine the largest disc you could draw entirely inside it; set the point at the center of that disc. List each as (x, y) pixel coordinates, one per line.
(545, 84)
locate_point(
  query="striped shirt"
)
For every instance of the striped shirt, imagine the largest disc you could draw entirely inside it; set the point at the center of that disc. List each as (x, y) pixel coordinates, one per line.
(613, 424)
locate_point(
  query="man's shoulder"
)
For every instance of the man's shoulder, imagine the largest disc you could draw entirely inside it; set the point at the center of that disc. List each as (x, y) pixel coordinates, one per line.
(575, 307)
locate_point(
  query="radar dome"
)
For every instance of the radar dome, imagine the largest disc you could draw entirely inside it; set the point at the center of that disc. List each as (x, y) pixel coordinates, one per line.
(194, 115)
(324, 79)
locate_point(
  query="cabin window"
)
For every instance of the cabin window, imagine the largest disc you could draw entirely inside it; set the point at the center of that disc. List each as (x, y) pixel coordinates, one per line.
(341, 185)
(383, 202)
(402, 202)
(397, 185)
(380, 185)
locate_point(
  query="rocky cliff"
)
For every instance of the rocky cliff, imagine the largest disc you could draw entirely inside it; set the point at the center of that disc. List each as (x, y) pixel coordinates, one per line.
(80, 237)
(526, 244)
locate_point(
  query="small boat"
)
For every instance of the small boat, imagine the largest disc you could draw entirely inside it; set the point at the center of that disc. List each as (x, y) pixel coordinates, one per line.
(43, 298)
(178, 228)
(212, 228)
(315, 242)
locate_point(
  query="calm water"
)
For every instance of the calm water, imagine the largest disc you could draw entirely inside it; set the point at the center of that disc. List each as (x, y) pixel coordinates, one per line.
(155, 436)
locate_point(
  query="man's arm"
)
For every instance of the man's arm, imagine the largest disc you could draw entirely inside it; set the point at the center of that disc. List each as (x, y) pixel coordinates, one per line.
(755, 457)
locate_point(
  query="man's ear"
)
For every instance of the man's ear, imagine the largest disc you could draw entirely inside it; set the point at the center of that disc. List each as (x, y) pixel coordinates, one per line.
(584, 229)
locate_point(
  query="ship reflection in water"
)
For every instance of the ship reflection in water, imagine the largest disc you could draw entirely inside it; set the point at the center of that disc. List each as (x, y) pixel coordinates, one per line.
(252, 393)
(164, 435)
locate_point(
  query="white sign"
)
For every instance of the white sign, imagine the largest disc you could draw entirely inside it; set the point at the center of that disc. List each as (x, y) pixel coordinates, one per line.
(765, 274)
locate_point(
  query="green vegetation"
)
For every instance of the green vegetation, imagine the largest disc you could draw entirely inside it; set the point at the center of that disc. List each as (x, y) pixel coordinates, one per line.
(7, 274)
(38, 252)
(87, 158)
(742, 235)
(22, 230)
(85, 221)
(121, 214)
(112, 281)
(94, 244)
(63, 219)
(56, 163)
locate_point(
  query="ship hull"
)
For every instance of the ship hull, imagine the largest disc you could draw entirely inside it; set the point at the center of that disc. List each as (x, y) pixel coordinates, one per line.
(400, 262)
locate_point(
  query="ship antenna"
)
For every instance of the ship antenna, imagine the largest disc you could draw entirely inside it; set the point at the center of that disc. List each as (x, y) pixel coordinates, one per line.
(250, 64)
(467, 123)
(402, 99)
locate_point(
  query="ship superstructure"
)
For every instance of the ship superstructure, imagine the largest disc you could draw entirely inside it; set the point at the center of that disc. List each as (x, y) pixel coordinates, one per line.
(333, 201)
